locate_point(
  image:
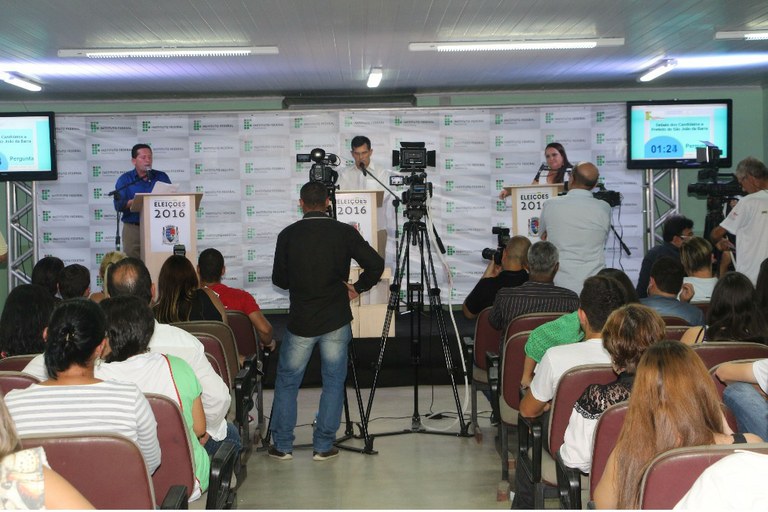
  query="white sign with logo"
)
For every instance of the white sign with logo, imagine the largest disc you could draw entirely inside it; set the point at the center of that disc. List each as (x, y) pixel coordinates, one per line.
(170, 224)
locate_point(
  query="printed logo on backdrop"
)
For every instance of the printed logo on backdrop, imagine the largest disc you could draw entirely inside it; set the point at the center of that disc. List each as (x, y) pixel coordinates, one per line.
(307, 142)
(468, 141)
(64, 194)
(165, 125)
(320, 122)
(567, 117)
(518, 118)
(266, 146)
(64, 215)
(267, 122)
(571, 139)
(214, 212)
(269, 166)
(124, 126)
(221, 147)
(478, 121)
(516, 140)
(102, 147)
(600, 137)
(364, 122)
(221, 190)
(70, 128)
(226, 168)
(466, 163)
(420, 120)
(216, 124)
(71, 237)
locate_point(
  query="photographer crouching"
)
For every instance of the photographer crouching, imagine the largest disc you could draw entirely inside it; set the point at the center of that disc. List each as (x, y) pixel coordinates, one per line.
(508, 266)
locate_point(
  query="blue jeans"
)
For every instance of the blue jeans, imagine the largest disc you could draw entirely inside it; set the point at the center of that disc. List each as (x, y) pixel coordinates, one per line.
(292, 362)
(749, 407)
(233, 436)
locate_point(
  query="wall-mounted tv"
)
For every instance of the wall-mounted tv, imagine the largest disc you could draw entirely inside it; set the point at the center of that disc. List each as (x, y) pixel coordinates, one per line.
(665, 134)
(27, 146)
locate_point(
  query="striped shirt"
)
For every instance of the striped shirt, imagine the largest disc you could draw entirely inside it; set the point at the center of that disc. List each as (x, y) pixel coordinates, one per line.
(530, 297)
(112, 407)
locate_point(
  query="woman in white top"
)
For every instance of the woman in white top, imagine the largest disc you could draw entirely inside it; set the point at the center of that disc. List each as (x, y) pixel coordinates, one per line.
(697, 259)
(72, 400)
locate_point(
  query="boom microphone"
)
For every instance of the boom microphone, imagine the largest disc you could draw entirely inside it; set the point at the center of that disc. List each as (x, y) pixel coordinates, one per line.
(542, 167)
(363, 169)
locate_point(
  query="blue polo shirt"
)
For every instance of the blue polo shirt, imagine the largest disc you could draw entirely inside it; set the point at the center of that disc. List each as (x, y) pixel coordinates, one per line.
(144, 186)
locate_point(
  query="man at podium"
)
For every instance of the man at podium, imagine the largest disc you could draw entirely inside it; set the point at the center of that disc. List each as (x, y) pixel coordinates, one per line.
(359, 176)
(141, 179)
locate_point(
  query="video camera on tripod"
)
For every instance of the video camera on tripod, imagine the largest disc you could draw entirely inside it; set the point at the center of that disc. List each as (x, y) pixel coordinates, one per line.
(413, 157)
(321, 170)
(712, 183)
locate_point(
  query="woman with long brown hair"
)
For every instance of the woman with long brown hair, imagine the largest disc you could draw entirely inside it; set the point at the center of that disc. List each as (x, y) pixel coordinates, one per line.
(180, 297)
(674, 404)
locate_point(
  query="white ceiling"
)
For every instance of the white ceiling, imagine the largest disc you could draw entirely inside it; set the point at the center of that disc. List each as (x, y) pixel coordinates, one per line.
(327, 47)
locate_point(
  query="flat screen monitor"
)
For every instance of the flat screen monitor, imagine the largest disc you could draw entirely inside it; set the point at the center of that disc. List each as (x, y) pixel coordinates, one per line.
(665, 134)
(27, 146)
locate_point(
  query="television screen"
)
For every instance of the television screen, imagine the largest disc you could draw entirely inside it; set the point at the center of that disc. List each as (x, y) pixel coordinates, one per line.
(27, 146)
(665, 134)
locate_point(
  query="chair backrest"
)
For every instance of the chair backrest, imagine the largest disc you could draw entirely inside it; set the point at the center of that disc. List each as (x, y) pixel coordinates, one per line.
(570, 387)
(224, 333)
(675, 332)
(245, 334)
(107, 469)
(217, 356)
(716, 352)
(511, 369)
(703, 306)
(486, 339)
(15, 380)
(176, 467)
(674, 320)
(670, 475)
(530, 321)
(720, 387)
(606, 434)
(15, 363)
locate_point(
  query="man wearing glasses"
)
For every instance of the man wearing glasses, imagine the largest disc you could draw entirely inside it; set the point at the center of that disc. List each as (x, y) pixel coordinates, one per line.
(748, 220)
(674, 232)
(358, 177)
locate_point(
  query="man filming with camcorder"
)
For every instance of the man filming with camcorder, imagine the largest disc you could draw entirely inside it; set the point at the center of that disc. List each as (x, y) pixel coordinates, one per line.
(508, 266)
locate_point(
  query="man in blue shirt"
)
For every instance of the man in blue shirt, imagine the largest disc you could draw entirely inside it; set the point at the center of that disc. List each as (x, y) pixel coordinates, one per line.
(141, 179)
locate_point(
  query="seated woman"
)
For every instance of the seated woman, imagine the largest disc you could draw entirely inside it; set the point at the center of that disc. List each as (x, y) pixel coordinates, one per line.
(674, 404)
(107, 261)
(180, 298)
(733, 314)
(73, 400)
(627, 333)
(26, 480)
(130, 325)
(25, 316)
(696, 257)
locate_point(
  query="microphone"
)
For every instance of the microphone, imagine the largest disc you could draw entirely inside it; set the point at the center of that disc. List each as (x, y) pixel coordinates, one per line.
(149, 172)
(363, 169)
(542, 167)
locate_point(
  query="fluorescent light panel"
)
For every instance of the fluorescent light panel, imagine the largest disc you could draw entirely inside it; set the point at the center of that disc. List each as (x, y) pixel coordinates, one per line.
(12, 79)
(747, 35)
(374, 77)
(117, 53)
(659, 69)
(521, 45)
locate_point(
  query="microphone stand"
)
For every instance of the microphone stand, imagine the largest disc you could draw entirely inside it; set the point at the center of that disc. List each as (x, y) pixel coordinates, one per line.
(115, 194)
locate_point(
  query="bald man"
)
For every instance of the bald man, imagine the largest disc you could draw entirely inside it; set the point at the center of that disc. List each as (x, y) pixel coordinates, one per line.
(578, 225)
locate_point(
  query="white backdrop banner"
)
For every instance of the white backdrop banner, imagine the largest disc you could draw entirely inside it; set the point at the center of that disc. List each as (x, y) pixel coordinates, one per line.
(245, 165)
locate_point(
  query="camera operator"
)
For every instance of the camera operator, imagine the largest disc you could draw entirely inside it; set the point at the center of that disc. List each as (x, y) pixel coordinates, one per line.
(513, 271)
(312, 260)
(578, 225)
(747, 220)
(357, 177)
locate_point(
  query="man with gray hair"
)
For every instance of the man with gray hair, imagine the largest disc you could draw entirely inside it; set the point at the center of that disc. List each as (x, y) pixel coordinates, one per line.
(539, 294)
(748, 220)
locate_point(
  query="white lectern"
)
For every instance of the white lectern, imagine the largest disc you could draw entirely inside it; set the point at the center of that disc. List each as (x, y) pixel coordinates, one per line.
(167, 220)
(526, 202)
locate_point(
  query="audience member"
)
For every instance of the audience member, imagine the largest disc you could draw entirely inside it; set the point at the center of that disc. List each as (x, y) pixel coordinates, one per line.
(628, 332)
(537, 295)
(25, 317)
(74, 282)
(210, 266)
(673, 404)
(747, 220)
(131, 277)
(512, 272)
(26, 480)
(697, 259)
(130, 325)
(599, 296)
(741, 397)
(179, 296)
(666, 282)
(72, 399)
(761, 287)
(566, 329)
(46, 273)
(107, 261)
(733, 314)
(675, 230)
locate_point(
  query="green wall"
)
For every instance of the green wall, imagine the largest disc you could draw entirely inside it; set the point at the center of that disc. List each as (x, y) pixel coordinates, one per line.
(749, 119)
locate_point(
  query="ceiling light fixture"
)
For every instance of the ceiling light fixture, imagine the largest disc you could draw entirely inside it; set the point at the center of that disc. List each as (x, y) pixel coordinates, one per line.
(374, 77)
(140, 53)
(526, 44)
(12, 79)
(665, 66)
(747, 35)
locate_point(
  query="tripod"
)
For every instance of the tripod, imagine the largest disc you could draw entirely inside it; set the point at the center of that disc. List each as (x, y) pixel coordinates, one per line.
(415, 234)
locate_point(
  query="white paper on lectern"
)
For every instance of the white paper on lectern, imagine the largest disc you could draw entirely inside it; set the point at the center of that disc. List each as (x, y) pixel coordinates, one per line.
(165, 188)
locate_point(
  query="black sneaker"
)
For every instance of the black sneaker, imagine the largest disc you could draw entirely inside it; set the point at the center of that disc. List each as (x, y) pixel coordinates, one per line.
(277, 454)
(333, 452)
(494, 419)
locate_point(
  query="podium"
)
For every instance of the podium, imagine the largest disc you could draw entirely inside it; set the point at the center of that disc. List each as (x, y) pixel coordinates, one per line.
(167, 220)
(361, 209)
(526, 203)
